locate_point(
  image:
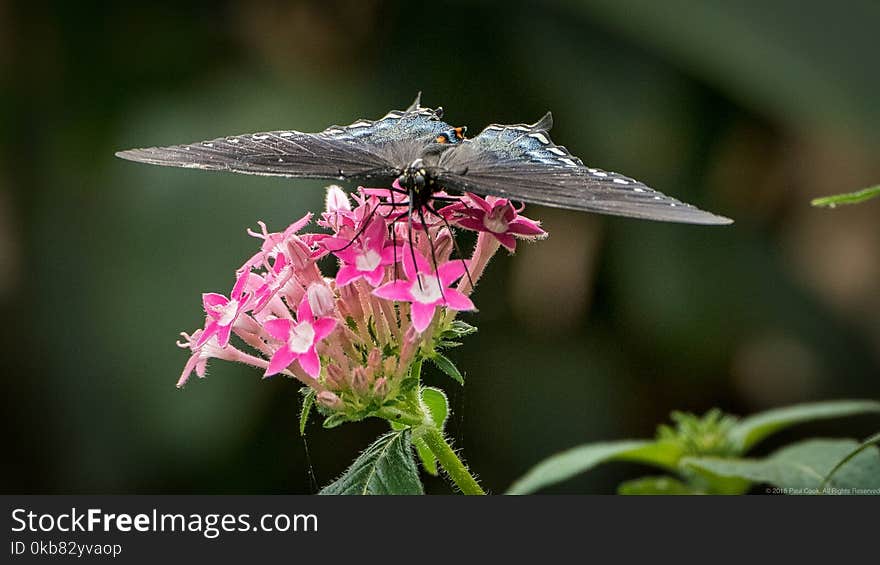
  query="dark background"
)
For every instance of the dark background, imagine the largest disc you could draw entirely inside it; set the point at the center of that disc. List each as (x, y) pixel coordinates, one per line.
(748, 109)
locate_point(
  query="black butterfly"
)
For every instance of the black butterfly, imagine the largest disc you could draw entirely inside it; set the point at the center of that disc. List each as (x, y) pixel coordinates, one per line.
(427, 155)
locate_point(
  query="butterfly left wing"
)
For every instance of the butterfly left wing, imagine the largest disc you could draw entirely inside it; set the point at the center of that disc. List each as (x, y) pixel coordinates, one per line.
(364, 149)
(522, 163)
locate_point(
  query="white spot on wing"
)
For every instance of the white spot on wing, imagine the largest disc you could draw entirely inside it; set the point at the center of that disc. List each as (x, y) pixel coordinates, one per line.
(621, 181)
(260, 137)
(568, 162)
(540, 137)
(556, 151)
(361, 124)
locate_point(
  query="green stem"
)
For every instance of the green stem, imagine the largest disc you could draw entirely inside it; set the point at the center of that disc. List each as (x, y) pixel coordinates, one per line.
(450, 462)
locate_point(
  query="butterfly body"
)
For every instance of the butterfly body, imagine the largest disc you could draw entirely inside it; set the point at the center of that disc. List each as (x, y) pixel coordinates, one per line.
(425, 155)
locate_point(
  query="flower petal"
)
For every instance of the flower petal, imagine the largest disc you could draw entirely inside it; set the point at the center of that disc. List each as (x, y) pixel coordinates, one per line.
(421, 265)
(304, 310)
(310, 363)
(421, 314)
(210, 331)
(210, 300)
(451, 271)
(346, 274)
(395, 290)
(506, 240)
(223, 333)
(458, 301)
(524, 226)
(279, 328)
(323, 327)
(375, 276)
(282, 358)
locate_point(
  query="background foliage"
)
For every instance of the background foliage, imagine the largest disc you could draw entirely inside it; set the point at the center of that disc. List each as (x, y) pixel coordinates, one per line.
(748, 109)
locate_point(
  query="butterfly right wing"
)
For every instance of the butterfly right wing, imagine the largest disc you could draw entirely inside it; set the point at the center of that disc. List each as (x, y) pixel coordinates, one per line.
(521, 162)
(362, 150)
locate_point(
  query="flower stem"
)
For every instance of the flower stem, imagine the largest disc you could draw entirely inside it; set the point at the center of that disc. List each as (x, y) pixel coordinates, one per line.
(450, 462)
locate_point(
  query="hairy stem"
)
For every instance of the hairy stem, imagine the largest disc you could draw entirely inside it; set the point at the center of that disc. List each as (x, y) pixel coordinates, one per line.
(450, 462)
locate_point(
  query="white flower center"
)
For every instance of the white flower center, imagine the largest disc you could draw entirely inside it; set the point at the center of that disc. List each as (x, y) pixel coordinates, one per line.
(428, 292)
(227, 312)
(495, 221)
(368, 260)
(302, 336)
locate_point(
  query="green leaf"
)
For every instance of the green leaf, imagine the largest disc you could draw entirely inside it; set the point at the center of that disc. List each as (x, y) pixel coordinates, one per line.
(435, 401)
(426, 456)
(656, 485)
(308, 401)
(847, 198)
(445, 365)
(386, 467)
(753, 429)
(802, 467)
(574, 461)
(873, 440)
(335, 420)
(459, 328)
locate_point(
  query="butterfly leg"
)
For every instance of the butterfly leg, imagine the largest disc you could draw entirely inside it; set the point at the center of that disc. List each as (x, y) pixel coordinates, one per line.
(458, 250)
(433, 251)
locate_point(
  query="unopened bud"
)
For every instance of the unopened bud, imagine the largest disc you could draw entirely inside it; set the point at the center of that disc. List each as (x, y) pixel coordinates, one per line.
(335, 377)
(336, 200)
(321, 300)
(374, 359)
(380, 389)
(359, 381)
(443, 245)
(298, 252)
(329, 400)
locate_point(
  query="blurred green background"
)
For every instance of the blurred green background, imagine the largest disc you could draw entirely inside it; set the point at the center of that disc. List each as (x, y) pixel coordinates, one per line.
(748, 109)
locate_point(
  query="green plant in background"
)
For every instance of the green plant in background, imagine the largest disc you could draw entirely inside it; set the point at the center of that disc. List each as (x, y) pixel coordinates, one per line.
(847, 198)
(706, 455)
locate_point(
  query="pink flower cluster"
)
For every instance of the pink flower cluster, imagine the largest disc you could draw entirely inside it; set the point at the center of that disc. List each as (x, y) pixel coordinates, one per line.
(353, 337)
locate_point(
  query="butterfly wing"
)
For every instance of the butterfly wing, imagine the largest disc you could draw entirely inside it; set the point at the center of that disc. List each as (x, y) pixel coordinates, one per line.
(522, 163)
(364, 149)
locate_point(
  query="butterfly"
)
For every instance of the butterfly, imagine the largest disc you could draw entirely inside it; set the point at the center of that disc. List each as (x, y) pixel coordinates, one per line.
(427, 157)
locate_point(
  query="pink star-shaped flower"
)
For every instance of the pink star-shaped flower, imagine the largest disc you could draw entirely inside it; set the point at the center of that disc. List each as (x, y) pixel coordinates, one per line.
(222, 312)
(426, 289)
(299, 340)
(366, 257)
(496, 216)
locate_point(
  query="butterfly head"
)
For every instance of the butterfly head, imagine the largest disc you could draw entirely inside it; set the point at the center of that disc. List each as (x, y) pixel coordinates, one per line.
(418, 180)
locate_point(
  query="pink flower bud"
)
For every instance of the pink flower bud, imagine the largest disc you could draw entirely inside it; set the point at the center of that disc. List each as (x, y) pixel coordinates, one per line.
(359, 381)
(336, 200)
(329, 400)
(380, 389)
(299, 253)
(335, 377)
(443, 245)
(374, 360)
(321, 300)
